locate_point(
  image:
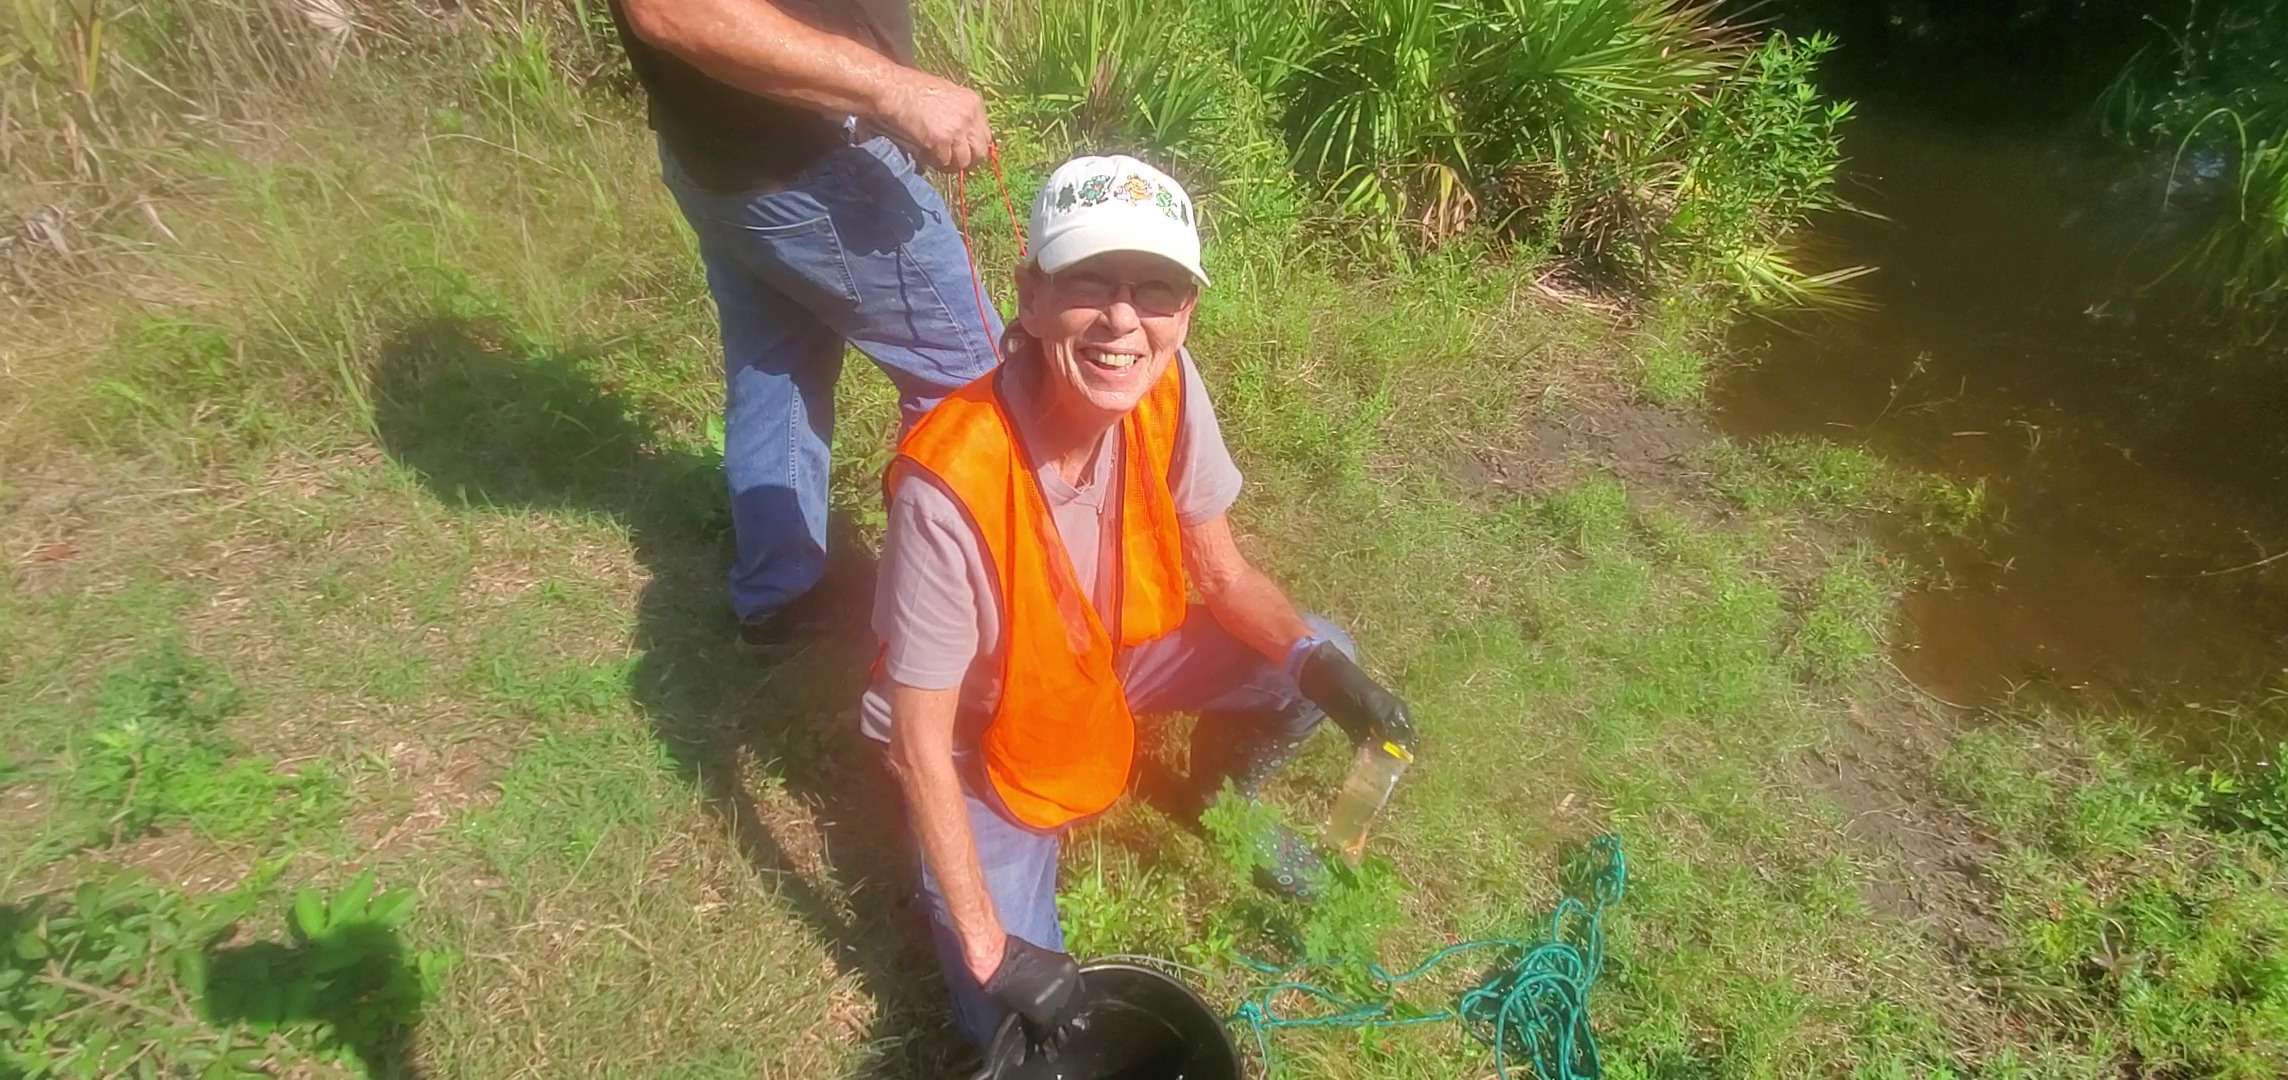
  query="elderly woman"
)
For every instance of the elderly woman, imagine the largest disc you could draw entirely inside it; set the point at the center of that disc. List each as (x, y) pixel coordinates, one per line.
(1048, 526)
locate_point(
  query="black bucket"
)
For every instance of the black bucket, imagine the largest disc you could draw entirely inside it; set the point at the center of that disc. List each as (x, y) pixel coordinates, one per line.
(1136, 1024)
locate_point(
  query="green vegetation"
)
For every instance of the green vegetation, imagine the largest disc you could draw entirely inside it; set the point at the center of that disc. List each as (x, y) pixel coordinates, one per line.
(1642, 139)
(358, 485)
(128, 975)
(2143, 904)
(1836, 482)
(2214, 95)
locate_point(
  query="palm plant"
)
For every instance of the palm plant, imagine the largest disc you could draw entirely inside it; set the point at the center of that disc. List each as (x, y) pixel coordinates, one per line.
(1111, 73)
(1375, 109)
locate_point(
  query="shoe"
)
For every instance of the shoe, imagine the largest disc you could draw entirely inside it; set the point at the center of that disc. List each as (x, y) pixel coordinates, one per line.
(1244, 749)
(774, 632)
(1288, 866)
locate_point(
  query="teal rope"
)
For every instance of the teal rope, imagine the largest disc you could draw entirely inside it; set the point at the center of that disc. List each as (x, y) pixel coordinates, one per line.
(1536, 1010)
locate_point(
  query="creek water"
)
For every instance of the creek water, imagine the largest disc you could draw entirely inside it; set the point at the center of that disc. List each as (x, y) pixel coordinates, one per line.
(2134, 451)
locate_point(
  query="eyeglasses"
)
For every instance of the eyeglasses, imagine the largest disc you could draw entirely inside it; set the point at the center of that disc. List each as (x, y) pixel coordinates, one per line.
(1152, 296)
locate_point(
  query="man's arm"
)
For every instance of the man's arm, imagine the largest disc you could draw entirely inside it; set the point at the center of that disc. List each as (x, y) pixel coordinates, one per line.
(921, 754)
(754, 46)
(1244, 599)
(1256, 611)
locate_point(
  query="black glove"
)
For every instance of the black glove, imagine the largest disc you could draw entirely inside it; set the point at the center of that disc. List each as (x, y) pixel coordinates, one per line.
(1041, 987)
(1353, 700)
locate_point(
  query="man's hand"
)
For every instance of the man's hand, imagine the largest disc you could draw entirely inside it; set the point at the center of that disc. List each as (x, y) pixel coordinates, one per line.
(1040, 986)
(763, 50)
(942, 123)
(1353, 700)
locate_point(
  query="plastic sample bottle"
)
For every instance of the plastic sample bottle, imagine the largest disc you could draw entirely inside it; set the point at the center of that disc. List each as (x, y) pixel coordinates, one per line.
(1373, 773)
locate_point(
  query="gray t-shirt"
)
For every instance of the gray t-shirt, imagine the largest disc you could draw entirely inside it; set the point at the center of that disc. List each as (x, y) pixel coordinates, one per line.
(934, 608)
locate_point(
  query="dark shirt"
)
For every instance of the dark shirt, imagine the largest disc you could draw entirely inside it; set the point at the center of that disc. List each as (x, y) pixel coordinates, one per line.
(730, 140)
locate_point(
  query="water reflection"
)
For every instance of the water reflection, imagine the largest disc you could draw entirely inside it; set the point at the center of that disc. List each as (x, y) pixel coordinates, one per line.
(2137, 453)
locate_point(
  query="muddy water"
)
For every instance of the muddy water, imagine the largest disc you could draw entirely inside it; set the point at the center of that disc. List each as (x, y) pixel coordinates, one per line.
(2135, 456)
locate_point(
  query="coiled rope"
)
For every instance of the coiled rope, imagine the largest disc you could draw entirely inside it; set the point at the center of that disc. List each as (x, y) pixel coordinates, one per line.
(1533, 1011)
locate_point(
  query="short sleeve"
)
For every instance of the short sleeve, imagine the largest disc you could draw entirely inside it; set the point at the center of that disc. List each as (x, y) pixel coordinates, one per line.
(927, 597)
(1201, 474)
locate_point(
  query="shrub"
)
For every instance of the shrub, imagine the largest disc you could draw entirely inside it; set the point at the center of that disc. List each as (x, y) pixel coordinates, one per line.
(1645, 138)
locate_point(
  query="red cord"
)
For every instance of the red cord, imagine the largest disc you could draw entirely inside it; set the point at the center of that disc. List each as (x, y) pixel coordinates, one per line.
(993, 153)
(961, 223)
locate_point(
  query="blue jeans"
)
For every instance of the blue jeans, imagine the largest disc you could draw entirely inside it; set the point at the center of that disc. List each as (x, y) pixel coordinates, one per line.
(1200, 668)
(857, 249)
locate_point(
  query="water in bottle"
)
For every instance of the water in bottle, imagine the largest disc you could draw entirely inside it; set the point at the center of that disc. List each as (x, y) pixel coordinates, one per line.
(1373, 773)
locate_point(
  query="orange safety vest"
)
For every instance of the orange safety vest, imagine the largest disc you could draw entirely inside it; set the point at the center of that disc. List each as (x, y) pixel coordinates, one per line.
(1061, 738)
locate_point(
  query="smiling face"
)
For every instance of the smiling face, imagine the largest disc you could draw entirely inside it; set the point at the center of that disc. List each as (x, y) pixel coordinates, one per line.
(1108, 327)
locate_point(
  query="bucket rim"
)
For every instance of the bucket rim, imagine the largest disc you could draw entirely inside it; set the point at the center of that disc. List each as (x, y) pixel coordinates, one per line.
(1222, 1028)
(1230, 1049)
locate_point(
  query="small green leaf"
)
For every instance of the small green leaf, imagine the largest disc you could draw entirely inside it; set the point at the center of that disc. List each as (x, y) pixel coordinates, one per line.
(191, 970)
(349, 905)
(390, 908)
(309, 914)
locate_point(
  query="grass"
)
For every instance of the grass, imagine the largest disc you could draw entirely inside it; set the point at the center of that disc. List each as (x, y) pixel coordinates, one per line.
(368, 543)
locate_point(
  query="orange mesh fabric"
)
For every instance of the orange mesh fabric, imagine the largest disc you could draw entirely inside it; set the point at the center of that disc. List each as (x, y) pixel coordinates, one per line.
(1061, 740)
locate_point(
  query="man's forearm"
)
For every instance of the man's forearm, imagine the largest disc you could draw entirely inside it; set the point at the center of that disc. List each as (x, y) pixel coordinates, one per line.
(921, 753)
(1244, 599)
(754, 46)
(1257, 611)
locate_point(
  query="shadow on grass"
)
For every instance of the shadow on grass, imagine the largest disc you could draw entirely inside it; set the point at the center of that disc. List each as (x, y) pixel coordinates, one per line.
(488, 420)
(357, 981)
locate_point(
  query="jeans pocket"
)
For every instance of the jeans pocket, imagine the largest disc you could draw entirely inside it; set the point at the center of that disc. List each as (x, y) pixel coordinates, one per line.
(805, 259)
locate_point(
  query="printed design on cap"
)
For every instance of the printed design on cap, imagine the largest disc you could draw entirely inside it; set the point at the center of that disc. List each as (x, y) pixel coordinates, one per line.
(1166, 201)
(1101, 188)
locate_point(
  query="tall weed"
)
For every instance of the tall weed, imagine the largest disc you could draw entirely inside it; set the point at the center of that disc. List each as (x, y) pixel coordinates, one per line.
(1107, 75)
(2215, 99)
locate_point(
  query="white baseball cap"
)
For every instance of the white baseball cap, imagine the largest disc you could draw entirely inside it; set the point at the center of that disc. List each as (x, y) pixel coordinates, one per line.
(1092, 205)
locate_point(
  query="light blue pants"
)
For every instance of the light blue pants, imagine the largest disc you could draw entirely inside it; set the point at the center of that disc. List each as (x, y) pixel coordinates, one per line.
(858, 249)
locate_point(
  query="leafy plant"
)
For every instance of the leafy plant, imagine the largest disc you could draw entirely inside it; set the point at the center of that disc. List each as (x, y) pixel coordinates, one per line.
(1374, 111)
(154, 754)
(97, 986)
(343, 978)
(87, 986)
(1763, 159)
(1336, 929)
(2253, 802)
